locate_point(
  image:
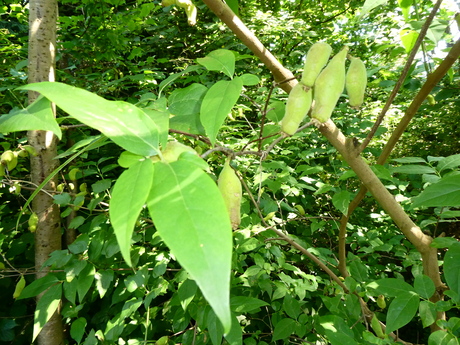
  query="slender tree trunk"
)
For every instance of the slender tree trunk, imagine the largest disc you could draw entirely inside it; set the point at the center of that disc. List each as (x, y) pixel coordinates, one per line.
(42, 42)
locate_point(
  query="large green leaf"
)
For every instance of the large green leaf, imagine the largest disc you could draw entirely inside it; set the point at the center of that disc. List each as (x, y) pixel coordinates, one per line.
(221, 60)
(402, 310)
(128, 197)
(38, 286)
(46, 307)
(336, 330)
(424, 286)
(124, 123)
(37, 116)
(452, 267)
(190, 216)
(187, 101)
(217, 104)
(446, 192)
(283, 329)
(391, 287)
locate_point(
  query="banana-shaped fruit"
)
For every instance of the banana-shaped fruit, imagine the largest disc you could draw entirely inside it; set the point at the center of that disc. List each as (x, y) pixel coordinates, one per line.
(9, 159)
(297, 107)
(33, 222)
(316, 59)
(19, 287)
(381, 302)
(230, 187)
(190, 10)
(355, 82)
(329, 86)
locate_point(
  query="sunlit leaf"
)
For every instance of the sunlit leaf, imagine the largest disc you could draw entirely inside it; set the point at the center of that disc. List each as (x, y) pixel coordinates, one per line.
(124, 123)
(190, 216)
(401, 310)
(37, 116)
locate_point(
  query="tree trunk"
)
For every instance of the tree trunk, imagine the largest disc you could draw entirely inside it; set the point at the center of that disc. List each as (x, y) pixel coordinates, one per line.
(42, 42)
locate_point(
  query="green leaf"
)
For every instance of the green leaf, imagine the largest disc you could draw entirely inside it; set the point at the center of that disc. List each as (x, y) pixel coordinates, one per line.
(46, 307)
(233, 4)
(446, 192)
(37, 116)
(168, 81)
(38, 286)
(409, 160)
(341, 200)
(127, 125)
(336, 330)
(128, 197)
(452, 267)
(249, 79)
(198, 232)
(427, 311)
(442, 338)
(235, 336)
(214, 327)
(243, 304)
(218, 103)
(424, 286)
(390, 287)
(221, 60)
(414, 169)
(449, 162)
(187, 101)
(283, 329)
(408, 38)
(77, 329)
(85, 280)
(402, 310)
(103, 280)
(369, 5)
(186, 292)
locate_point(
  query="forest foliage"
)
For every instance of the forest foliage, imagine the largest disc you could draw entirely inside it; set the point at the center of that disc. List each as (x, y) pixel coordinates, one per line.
(155, 259)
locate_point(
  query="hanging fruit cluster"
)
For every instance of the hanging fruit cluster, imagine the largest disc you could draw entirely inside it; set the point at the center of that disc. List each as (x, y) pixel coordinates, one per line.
(321, 85)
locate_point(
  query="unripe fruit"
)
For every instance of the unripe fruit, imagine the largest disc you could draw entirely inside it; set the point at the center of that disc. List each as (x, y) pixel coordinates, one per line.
(230, 187)
(19, 287)
(173, 150)
(190, 10)
(297, 107)
(31, 150)
(2, 170)
(73, 174)
(381, 302)
(32, 222)
(300, 209)
(376, 327)
(316, 59)
(329, 86)
(355, 82)
(10, 159)
(430, 99)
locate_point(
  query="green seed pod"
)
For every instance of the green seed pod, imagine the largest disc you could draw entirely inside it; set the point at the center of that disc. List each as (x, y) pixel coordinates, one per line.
(431, 100)
(297, 107)
(73, 174)
(190, 10)
(377, 328)
(355, 82)
(33, 222)
(19, 287)
(381, 302)
(31, 150)
(10, 159)
(316, 59)
(230, 187)
(329, 86)
(2, 170)
(174, 149)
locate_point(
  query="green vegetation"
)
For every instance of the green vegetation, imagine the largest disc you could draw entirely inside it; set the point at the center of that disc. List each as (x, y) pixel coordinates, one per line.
(347, 231)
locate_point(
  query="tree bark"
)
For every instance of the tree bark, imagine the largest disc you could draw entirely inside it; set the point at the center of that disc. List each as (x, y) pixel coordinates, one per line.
(42, 43)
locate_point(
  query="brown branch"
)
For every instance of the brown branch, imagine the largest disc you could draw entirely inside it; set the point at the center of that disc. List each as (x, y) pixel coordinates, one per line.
(432, 80)
(402, 77)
